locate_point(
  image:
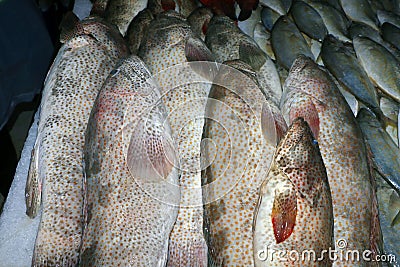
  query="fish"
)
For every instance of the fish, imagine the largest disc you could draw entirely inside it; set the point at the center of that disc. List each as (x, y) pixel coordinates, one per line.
(361, 29)
(380, 65)
(243, 126)
(294, 211)
(385, 153)
(360, 10)
(137, 29)
(263, 38)
(199, 20)
(249, 24)
(387, 16)
(391, 34)
(308, 20)
(276, 5)
(186, 7)
(390, 109)
(269, 17)
(89, 52)
(246, 8)
(389, 210)
(227, 42)
(287, 42)
(132, 173)
(335, 20)
(340, 59)
(121, 12)
(309, 92)
(168, 49)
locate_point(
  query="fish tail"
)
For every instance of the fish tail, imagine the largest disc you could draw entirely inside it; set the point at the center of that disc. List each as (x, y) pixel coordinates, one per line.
(190, 253)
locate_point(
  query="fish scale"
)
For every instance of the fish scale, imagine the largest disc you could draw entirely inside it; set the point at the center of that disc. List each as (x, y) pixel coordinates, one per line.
(56, 171)
(313, 221)
(163, 50)
(129, 213)
(343, 152)
(241, 161)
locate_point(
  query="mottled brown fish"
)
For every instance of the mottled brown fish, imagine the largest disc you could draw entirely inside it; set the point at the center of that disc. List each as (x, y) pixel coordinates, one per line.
(132, 194)
(167, 48)
(238, 116)
(121, 12)
(309, 92)
(56, 170)
(294, 211)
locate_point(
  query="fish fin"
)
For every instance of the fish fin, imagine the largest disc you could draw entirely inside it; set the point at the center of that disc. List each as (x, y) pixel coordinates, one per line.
(33, 188)
(394, 204)
(253, 55)
(306, 109)
(211, 262)
(200, 58)
(197, 50)
(168, 5)
(151, 155)
(187, 253)
(284, 212)
(70, 27)
(273, 125)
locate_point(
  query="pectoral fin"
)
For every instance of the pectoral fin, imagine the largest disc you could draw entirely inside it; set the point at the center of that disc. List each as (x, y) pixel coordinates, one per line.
(151, 153)
(253, 55)
(273, 124)
(284, 212)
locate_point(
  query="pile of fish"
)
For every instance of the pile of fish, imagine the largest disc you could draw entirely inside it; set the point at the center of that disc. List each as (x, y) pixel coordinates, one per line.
(221, 133)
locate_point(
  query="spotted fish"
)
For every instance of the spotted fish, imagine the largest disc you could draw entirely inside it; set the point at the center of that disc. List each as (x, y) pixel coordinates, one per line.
(238, 116)
(295, 206)
(167, 48)
(56, 172)
(309, 92)
(131, 173)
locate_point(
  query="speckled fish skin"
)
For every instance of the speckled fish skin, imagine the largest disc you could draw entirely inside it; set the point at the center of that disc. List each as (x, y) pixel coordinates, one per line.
(340, 59)
(169, 38)
(137, 29)
(199, 20)
(310, 93)
(228, 42)
(287, 42)
(242, 157)
(385, 153)
(381, 66)
(313, 220)
(360, 10)
(121, 12)
(129, 212)
(56, 171)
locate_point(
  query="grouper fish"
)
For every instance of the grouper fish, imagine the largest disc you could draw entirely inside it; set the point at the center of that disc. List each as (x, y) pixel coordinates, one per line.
(55, 179)
(132, 175)
(309, 92)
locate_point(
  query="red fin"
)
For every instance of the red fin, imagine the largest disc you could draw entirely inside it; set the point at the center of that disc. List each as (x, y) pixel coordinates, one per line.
(306, 109)
(273, 124)
(168, 5)
(224, 7)
(284, 212)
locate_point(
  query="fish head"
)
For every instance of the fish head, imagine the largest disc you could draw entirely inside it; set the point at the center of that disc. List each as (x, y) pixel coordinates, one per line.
(220, 23)
(298, 158)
